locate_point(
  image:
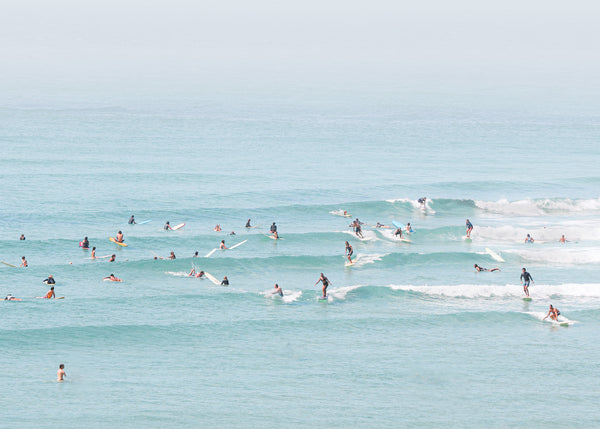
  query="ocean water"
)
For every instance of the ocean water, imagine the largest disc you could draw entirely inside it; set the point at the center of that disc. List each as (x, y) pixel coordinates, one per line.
(410, 335)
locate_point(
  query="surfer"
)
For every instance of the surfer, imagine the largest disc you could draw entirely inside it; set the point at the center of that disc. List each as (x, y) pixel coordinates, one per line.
(232, 233)
(273, 228)
(409, 228)
(22, 237)
(525, 279)
(358, 229)
(9, 297)
(93, 253)
(349, 251)
(222, 245)
(469, 226)
(112, 278)
(195, 254)
(553, 313)
(277, 290)
(50, 294)
(422, 202)
(563, 239)
(275, 235)
(529, 239)
(131, 220)
(380, 225)
(193, 273)
(85, 243)
(479, 269)
(398, 232)
(225, 281)
(172, 255)
(218, 228)
(325, 281)
(112, 258)
(49, 281)
(119, 237)
(23, 262)
(167, 226)
(61, 374)
(248, 224)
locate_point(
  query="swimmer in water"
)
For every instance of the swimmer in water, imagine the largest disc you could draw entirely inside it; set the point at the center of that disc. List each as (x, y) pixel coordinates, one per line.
(172, 255)
(277, 290)
(195, 254)
(85, 243)
(112, 278)
(61, 374)
(22, 237)
(529, 239)
(218, 228)
(479, 269)
(112, 258)
(563, 239)
(325, 281)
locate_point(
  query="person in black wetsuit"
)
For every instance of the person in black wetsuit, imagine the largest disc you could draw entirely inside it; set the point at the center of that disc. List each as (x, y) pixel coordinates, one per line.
(325, 281)
(85, 243)
(248, 224)
(273, 228)
(422, 201)
(50, 280)
(525, 279)
(225, 281)
(131, 220)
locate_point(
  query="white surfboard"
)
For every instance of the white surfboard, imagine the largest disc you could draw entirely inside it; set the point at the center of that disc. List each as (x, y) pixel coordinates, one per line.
(176, 227)
(212, 278)
(494, 255)
(239, 244)
(467, 239)
(211, 252)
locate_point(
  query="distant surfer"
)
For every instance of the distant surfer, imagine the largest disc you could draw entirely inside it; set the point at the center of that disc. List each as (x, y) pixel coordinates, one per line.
(9, 297)
(232, 233)
(112, 258)
(23, 262)
(325, 281)
(529, 239)
(273, 228)
(193, 273)
(218, 228)
(422, 202)
(61, 374)
(525, 279)
(50, 280)
(409, 228)
(50, 294)
(119, 237)
(275, 235)
(398, 232)
(172, 255)
(248, 224)
(22, 237)
(225, 281)
(222, 245)
(167, 226)
(277, 290)
(469, 226)
(131, 220)
(85, 243)
(479, 269)
(563, 239)
(380, 225)
(358, 228)
(349, 252)
(553, 313)
(195, 254)
(93, 253)
(113, 278)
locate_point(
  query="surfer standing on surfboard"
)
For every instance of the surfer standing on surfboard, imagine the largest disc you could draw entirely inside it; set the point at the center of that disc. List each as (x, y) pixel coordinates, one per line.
(469, 226)
(325, 281)
(525, 279)
(349, 251)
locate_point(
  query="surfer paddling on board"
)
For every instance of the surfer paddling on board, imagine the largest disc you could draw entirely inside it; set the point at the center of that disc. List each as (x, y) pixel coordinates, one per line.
(119, 237)
(131, 220)
(61, 374)
(9, 297)
(469, 226)
(193, 273)
(349, 252)
(479, 269)
(525, 279)
(325, 281)
(277, 290)
(113, 278)
(553, 313)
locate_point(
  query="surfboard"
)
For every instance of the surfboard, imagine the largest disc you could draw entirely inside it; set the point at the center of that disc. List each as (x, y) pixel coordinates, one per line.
(406, 240)
(49, 284)
(494, 255)
(144, 222)
(321, 298)
(467, 239)
(251, 227)
(100, 257)
(211, 252)
(527, 298)
(398, 224)
(10, 265)
(340, 213)
(114, 240)
(212, 278)
(236, 245)
(176, 227)
(43, 297)
(272, 237)
(348, 264)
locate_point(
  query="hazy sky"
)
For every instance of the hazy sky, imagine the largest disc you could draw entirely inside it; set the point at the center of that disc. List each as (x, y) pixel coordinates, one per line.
(554, 43)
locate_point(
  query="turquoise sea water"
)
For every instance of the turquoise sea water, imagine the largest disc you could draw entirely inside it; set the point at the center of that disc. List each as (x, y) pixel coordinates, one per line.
(411, 335)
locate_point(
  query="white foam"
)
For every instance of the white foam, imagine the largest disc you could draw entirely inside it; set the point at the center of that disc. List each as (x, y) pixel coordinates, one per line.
(177, 273)
(367, 235)
(558, 255)
(537, 291)
(367, 259)
(288, 296)
(541, 207)
(341, 292)
(561, 319)
(415, 204)
(573, 231)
